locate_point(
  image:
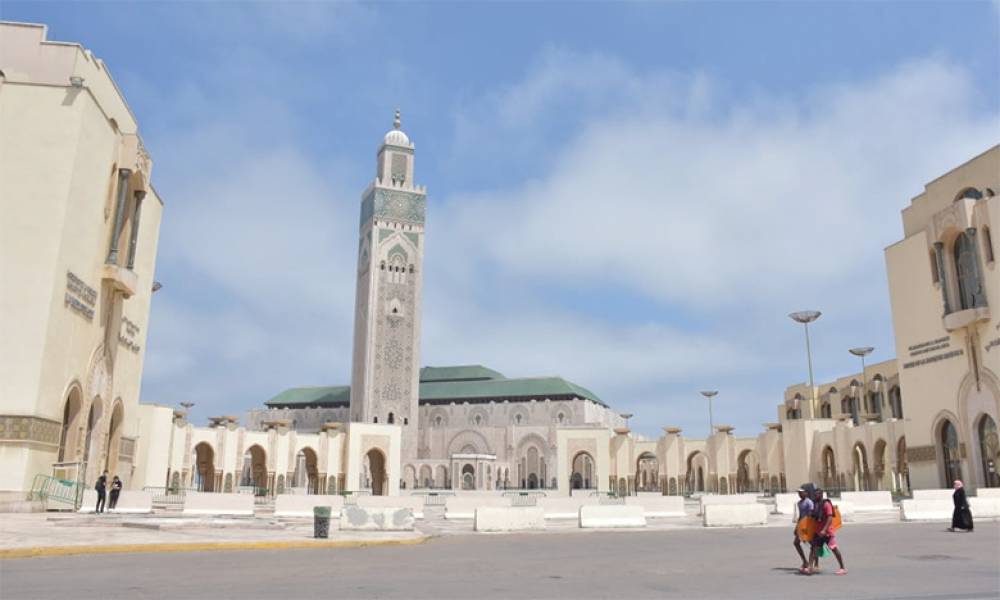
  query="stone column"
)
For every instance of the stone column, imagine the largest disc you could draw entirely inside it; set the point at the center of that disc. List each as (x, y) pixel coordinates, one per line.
(135, 229)
(942, 279)
(116, 233)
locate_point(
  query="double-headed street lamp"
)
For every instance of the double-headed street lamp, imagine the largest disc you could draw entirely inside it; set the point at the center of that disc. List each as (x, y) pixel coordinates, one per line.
(710, 394)
(862, 352)
(806, 317)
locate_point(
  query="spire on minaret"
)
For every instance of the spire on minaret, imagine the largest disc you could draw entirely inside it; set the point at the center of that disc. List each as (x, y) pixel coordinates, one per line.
(396, 123)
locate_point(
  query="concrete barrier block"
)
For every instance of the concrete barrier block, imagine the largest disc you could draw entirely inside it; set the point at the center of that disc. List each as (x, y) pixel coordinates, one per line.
(129, 502)
(509, 518)
(734, 515)
(414, 503)
(869, 501)
(209, 503)
(926, 510)
(565, 508)
(847, 509)
(460, 507)
(784, 504)
(301, 506)
(357, 518)
(611, 516)
(89, 501)
(655, 507)
(985, 508)
(988, 493)
(729, 499)
(933, 494)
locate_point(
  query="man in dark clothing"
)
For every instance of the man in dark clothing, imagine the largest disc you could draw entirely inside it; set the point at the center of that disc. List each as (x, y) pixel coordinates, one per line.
(116, 488)
(101, 486)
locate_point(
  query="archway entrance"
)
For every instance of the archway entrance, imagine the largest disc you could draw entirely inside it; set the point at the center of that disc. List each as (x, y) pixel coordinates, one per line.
(950, 454)
(861, 475)
(902, 467)
(114, 438)
(829, 470)
(70, 427)
(583, 472)
(203, 473)
(376, 470)
(697, 465)
(255, 470)
(989, 450)
(882, 480)
(747, 472)
(306, 474)
(647, 473)
(468, 477)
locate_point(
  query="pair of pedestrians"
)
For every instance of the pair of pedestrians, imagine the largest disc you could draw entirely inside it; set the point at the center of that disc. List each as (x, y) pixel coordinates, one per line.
(816, 522)
(102, 486)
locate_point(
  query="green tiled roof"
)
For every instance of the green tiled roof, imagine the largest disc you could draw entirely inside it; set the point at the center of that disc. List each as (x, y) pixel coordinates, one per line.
(327, 396)
(443, 385)
(458, 373)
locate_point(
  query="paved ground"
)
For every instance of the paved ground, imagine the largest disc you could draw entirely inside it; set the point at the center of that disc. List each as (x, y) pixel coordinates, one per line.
(890, 561)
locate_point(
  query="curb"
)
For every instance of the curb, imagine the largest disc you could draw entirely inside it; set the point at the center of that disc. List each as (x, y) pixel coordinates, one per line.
(46, 551)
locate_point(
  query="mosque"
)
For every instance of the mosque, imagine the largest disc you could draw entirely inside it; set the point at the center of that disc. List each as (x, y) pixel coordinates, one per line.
(72, 355)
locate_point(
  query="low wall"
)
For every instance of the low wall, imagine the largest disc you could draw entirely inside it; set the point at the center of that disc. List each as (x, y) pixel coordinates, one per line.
(129, 502)
(926, 510)
(566, 508)
(414, 503)
(209, 503)
(718, 499)
(465, 507)
(611, 516)
(734, 515)
(509, 518)
(985, 508)
(658, 506)
(934, 494)
(357, 518)
(869, 501)
(988, 493)
(784, 504)
(295, 505)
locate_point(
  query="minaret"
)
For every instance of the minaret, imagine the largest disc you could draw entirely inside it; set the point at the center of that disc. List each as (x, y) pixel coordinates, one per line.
(385, 374)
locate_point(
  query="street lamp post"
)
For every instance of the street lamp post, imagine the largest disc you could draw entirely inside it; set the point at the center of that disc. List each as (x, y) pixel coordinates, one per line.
(862, 352)
(710, 394)
(806, 317)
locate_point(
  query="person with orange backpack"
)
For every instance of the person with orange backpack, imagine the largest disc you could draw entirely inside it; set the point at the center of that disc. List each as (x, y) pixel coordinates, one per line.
(828, 517)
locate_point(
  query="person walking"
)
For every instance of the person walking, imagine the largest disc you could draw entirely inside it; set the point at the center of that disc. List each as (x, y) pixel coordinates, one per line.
(101, 486)
(803, 510)
(116, 489)
(961, 518)
(825, 534)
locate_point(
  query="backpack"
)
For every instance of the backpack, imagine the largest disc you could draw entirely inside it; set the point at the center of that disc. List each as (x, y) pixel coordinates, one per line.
(837, 520)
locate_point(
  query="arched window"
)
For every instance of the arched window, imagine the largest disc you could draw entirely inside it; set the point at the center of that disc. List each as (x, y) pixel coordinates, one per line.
(826, 411)
(406, 421)
(438, 420)
(896, 402)
(950, 453)
(970, 289)
(391, 419)
(989, 450)
(374, 419)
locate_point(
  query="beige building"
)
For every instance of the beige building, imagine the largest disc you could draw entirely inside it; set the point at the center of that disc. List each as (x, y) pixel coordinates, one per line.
(930, 416)
(78, 238)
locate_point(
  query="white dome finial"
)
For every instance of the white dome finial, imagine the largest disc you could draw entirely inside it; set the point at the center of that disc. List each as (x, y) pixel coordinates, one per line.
(396, 123)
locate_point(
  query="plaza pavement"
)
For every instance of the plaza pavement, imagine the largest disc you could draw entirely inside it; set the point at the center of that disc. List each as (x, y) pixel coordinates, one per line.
(918, 561)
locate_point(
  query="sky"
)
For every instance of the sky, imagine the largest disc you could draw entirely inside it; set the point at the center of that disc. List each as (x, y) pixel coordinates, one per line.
(631, 195)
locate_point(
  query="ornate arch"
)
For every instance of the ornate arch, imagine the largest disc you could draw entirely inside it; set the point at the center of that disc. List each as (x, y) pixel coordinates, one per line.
(522, 444)
(468, 437)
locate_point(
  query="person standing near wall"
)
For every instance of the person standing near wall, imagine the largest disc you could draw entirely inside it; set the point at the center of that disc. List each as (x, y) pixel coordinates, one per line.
(101, 486)
(803, 510)
(116, 489)
(961, 518)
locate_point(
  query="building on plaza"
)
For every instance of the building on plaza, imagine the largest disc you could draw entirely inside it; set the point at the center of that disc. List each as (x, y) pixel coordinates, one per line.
(929, 416)
(79, 239)
(78, 243)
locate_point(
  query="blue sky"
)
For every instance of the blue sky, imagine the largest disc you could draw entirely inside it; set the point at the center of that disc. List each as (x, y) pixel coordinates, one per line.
(631, 195)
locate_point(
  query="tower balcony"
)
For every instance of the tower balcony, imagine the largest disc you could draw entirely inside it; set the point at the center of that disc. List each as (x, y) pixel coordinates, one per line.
(121, 279)
(963, 318)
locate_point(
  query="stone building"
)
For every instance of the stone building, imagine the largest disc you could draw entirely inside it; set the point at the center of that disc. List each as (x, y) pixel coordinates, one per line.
(78, 241)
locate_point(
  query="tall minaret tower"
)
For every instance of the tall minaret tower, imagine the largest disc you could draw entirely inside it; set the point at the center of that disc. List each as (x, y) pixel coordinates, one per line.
(385, 375)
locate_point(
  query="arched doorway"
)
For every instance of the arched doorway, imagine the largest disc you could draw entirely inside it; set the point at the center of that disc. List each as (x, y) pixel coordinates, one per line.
(468, 477)
(989, 450)
(582, 477)
(951, 457)
(254, 472)
(830, 480)
(92, 441)
(306, 474)
(902, 467)
(426, 479)
(375, 463)
(881, 477)
(697, 466)
(114, 437)
(861, 474)
(441, 477)
(747, 472)
(68, 437)
(647, 469)
(203, 471)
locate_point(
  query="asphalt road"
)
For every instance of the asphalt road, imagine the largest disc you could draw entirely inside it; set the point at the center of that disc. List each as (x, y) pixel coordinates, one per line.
(919, 561)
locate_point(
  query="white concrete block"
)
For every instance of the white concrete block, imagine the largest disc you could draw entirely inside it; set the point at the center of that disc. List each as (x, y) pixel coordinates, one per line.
(729, 499)
(357, 518)
(301, 506)
(934, 494)
(847, 509)
(784, 504)
(509, 518)
(129, 502)
(734, 515)
(88, 503)
(611, 515)
(565, 508)
(988, 493)
(926, 510)
(869, 501)
(658, 506)
(414, 503)
(985, 508)
(460, 507)
(209, 503)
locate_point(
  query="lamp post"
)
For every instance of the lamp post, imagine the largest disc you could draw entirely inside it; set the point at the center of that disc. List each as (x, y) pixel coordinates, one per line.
(862, 352)
(626, 416)
(187, 407)
(806, 317)
(710, 394)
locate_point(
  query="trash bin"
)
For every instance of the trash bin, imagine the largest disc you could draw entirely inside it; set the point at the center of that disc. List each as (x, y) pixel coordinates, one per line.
(321, 521)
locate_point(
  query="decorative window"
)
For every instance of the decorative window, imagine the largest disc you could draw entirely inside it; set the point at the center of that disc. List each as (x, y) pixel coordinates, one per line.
(375, 420)
(969, 287)
(406, 421)
(391, 420)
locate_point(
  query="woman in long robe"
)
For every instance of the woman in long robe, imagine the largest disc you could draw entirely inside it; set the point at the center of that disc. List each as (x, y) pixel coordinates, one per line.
(962, 517)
